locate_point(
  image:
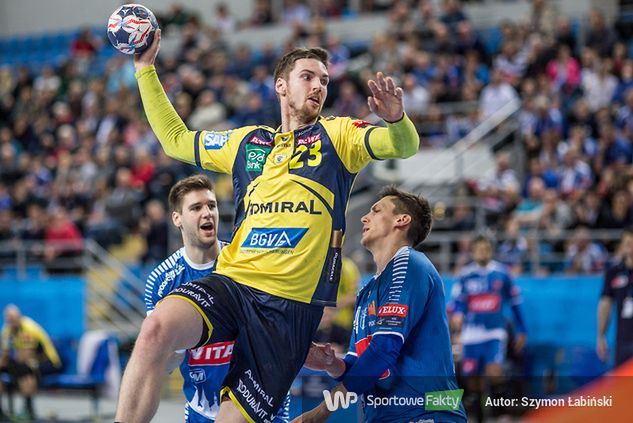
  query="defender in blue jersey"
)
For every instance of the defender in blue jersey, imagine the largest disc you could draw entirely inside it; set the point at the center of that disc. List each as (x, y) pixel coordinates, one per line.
(194, 211)
(479, 295)
(399, 358)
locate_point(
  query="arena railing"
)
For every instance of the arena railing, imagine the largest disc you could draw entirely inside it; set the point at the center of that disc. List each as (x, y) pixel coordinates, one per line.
(114, 294)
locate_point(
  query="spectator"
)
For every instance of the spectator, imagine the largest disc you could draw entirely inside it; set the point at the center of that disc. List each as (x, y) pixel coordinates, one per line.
(123, 203)
(564, 72)
(529, 211)
(63, 245)
(495, 95)
(453, 15)
(27, 354)
(223, 19)
(599, 86)
(584, 256)
(618, 214)
(574, 175)
(617, 287)
(498, 191)
(599, 36)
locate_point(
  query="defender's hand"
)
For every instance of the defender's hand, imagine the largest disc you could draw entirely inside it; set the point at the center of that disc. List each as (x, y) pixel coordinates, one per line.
(320, 357)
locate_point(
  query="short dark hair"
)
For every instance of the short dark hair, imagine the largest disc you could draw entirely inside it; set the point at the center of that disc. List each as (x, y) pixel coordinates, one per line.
(482, 238)
(287, 63)
(184, 187)
(415, 206)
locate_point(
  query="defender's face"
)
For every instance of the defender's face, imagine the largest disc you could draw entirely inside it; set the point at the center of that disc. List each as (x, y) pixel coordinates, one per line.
(306, 89)
(482, 252)
(378, 223)
(198, 219)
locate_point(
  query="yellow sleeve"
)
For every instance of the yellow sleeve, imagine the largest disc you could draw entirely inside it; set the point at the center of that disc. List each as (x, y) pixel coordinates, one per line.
(206, 149)
(358, 142)
(42, 337)
(350, 138)
(399, 140)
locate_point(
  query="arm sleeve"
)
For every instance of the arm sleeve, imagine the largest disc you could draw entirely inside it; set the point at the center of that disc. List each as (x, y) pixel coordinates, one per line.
(358, 142)
(47, 345)
(398, 141)
(458, 298)
(152, 286)
(206, 149)
(516, 300)
(381, 354)
(607, 290)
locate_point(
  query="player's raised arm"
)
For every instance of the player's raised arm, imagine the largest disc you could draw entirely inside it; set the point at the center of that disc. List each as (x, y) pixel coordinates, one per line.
(401, 139)
(177, 140)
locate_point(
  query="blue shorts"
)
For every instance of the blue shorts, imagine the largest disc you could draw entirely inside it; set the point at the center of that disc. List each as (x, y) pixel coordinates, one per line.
(272, 339)
(476, 357)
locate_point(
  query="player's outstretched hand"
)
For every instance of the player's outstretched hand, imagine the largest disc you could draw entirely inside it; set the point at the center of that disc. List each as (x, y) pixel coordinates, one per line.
(386, 98)
(320, 356)
(148, 57)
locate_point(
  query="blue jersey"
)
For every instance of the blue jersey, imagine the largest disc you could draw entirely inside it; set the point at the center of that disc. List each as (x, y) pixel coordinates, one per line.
(480, 294)
(407, 300)
(203, 369)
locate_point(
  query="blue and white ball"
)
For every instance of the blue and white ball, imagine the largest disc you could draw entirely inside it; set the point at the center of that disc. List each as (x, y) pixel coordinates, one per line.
(131, 28)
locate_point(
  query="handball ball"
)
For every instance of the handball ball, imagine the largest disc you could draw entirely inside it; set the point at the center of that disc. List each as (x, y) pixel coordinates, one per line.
(131, 28)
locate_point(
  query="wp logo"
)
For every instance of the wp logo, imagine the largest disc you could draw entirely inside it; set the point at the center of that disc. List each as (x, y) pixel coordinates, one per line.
(339, 400)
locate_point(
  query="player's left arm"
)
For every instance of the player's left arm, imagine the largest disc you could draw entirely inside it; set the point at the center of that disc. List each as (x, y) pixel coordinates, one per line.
(47, 345)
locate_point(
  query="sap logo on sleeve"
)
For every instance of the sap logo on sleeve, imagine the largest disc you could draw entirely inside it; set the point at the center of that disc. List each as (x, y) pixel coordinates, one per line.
(216, 140)
(274, 237)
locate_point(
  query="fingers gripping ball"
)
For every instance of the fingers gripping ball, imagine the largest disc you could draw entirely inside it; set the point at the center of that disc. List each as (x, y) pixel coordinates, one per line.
(131, 28)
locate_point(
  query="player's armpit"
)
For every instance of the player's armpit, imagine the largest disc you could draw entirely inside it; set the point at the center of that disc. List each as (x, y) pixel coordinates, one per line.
(399, 140)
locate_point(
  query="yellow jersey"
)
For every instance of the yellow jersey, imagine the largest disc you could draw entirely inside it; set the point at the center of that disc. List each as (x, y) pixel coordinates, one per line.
(290, 191)
(29, 336)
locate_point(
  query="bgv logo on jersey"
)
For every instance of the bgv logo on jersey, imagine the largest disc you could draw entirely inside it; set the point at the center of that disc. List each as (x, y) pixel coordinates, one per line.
(274, 237)
(216, 140)
(395, 310)
(212, 354)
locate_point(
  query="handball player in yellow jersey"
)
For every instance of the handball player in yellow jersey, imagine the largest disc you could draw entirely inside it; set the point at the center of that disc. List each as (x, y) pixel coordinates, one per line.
(291, 187)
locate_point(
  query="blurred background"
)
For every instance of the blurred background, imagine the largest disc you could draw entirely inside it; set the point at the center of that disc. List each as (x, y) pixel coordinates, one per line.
(525, 115)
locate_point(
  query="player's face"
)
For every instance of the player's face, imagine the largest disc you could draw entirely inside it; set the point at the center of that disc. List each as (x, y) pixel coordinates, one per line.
(378, 223)
(627, 245)
(482, 252)
(306, 89)
(198, 219)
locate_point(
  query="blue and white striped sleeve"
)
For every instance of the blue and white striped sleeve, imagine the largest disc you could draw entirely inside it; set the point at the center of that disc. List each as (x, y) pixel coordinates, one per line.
(406, 297)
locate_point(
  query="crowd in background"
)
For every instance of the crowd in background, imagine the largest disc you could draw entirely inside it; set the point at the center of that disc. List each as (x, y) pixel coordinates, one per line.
(79, 160)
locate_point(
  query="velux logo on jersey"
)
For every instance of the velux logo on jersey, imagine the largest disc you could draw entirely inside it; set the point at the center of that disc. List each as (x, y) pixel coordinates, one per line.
(212, 354)
(394, 310)
(274, 237)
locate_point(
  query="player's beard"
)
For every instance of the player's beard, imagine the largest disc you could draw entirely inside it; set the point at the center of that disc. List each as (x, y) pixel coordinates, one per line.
(304, 114)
